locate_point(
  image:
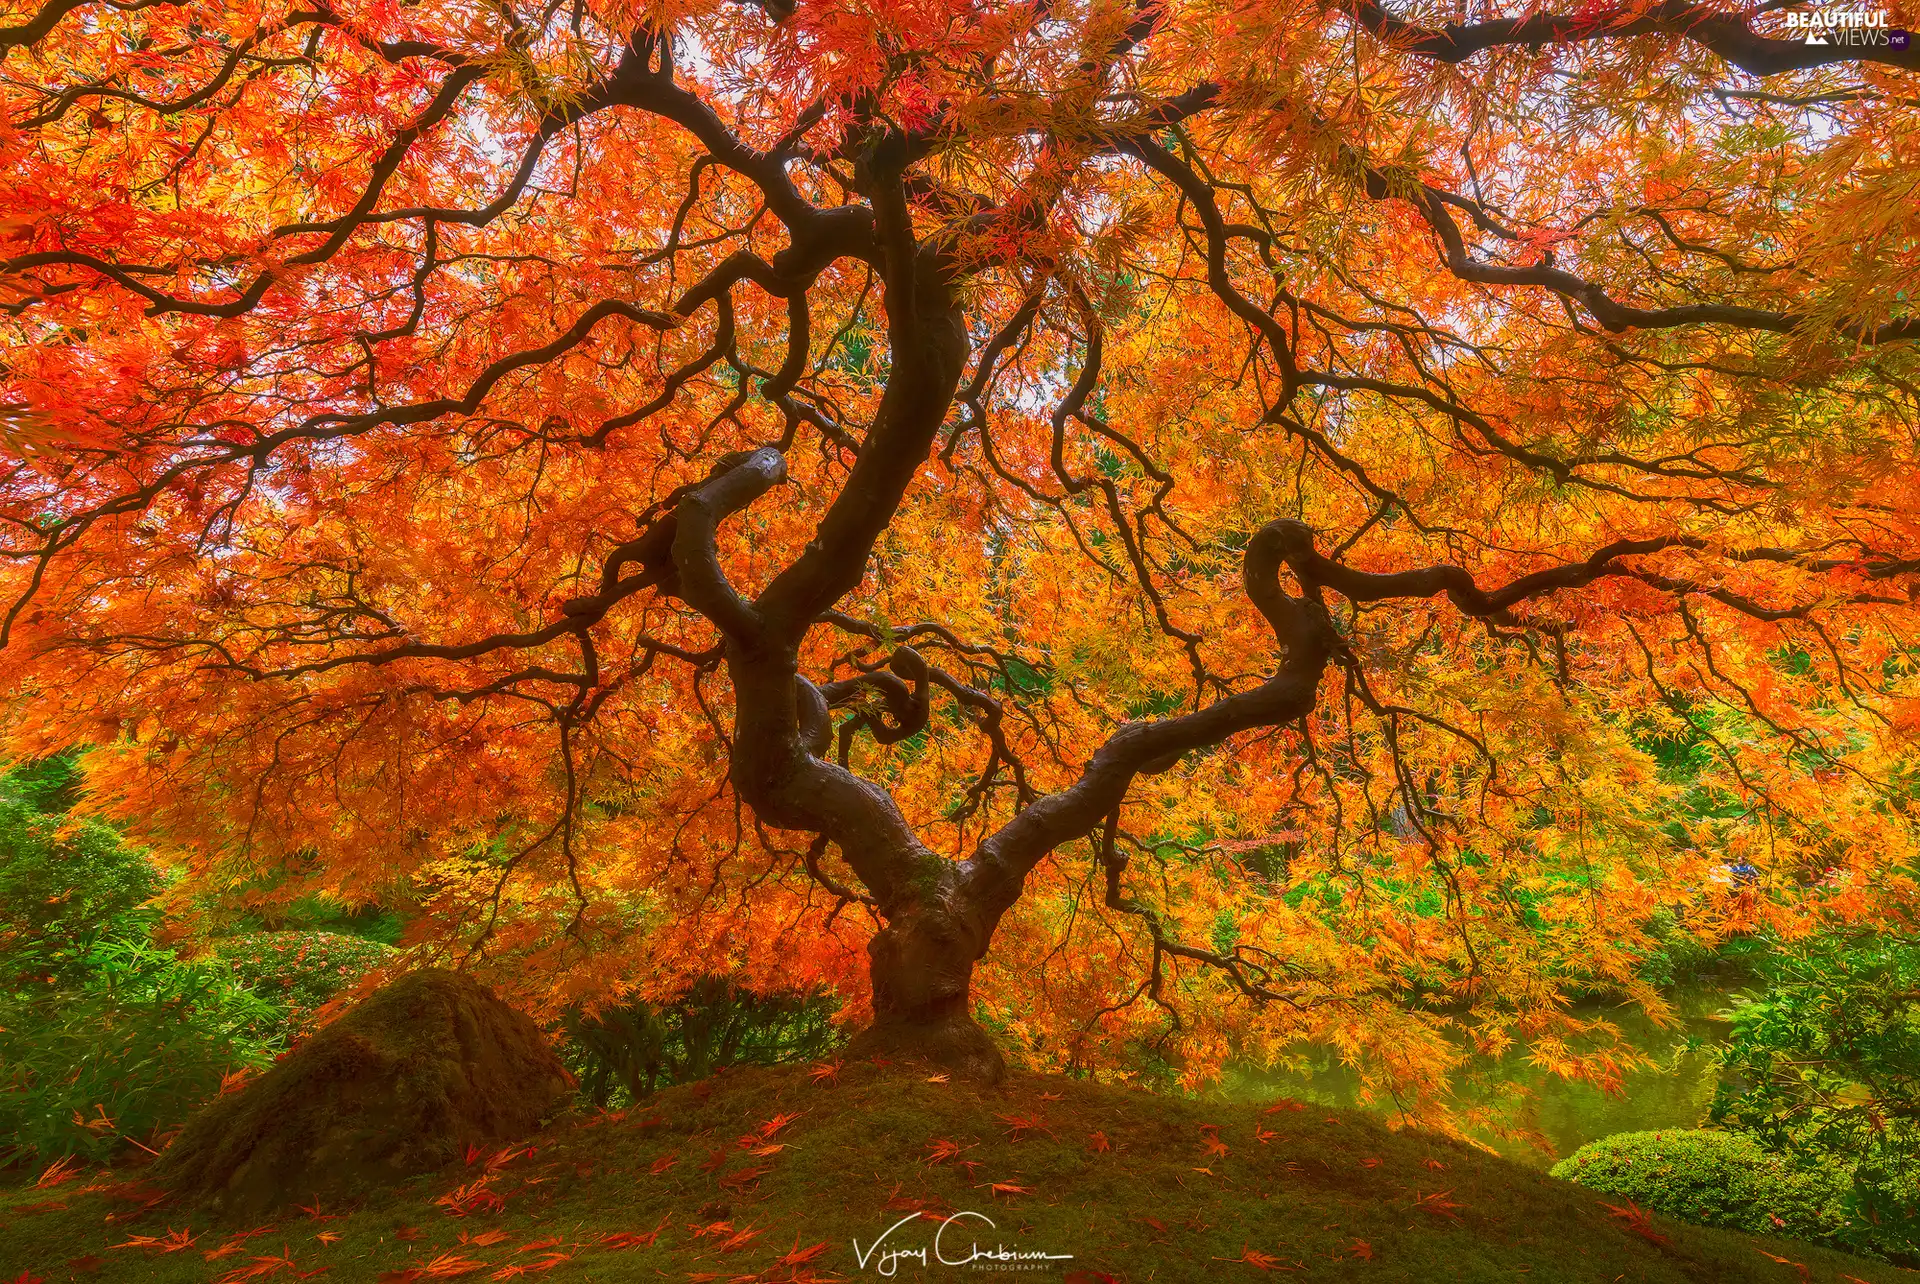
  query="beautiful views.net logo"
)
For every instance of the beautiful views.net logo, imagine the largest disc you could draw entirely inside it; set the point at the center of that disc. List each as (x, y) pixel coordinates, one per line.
(1858, 25)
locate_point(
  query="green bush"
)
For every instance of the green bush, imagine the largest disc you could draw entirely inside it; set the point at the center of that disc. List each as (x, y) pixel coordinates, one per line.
(104, 1037)
(1713, 1179)
(623, 1054)
(63, 885)
(1824, 1066)
(125, 1056)
(300, 970)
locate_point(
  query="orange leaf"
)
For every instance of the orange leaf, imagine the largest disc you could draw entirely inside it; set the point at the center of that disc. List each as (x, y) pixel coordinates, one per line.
(1255, 1258)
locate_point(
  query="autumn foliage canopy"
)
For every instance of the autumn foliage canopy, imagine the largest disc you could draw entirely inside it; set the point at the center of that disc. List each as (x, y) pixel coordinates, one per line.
(1172, 528)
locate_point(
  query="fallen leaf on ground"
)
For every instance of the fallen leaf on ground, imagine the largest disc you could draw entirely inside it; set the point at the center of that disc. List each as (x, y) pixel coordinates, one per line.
(1255, 1258)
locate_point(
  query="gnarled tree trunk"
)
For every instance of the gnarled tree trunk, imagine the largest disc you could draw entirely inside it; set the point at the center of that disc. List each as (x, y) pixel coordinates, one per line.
(922, 962)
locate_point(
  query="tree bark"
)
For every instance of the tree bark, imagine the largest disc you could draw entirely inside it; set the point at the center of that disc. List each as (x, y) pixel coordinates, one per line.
(922, 968)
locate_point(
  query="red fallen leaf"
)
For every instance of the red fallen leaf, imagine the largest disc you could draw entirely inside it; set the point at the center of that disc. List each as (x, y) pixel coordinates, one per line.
(407, 1233)
(1007, 1189)
(473, 1153)
(63, 1169)
(1097, 1142)
(1433, 1163)
(1215, 1147)
(1805, 1274)
(1263, 1135)
(27, 1277)
(712, 1230)
(778, 1122)
(501, 1158)
(940, 1150)
(1361, 1249)
(1332, 1120)
(445, 1266)
(1285, 1103)
(714, 1161)
(1438, 1204)
(1255, 1258)
(172, 1242)
(262, 1267)
(1371, 1161)
(484, 1239)
(827, 1074)
(739, 1240)
(1019, 1126)
(1050, 1096)
(474, 1197)
(1154, 1224)
(1634, 1218)
(618, 1239)
(44, 1206)
(745, 1177)
(535, 1245)
(801, 1256)
(663, 1163)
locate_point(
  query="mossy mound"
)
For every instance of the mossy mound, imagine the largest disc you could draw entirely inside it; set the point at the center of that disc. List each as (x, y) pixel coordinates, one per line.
(797, 1173)
(401, 1084)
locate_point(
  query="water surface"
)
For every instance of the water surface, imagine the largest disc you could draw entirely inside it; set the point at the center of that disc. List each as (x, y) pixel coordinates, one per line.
(1675, 1093)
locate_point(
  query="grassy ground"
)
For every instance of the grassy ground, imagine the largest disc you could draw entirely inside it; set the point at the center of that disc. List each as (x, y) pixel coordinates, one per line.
(779, 1176)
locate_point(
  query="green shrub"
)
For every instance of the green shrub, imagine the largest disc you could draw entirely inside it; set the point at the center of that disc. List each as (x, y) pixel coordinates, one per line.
(1824, 1066)
(623, 1054)
(104, 1036)
(63, 885)
(1713, 1179)
(300, 970)
(127, 1055)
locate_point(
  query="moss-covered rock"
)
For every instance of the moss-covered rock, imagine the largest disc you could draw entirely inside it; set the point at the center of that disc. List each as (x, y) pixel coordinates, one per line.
(401, 1084)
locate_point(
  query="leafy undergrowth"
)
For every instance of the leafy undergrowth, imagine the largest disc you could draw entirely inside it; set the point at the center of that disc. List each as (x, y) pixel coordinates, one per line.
(774, 1175)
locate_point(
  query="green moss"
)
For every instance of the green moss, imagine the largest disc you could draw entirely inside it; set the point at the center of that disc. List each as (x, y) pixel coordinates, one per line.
(1331, 1194)
(403, 1083)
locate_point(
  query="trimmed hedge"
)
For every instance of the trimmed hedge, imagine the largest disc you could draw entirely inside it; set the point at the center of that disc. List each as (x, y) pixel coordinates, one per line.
(1712, 1179)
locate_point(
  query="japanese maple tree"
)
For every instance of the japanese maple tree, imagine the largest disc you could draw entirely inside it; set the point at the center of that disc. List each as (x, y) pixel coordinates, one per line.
(1168, 528)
